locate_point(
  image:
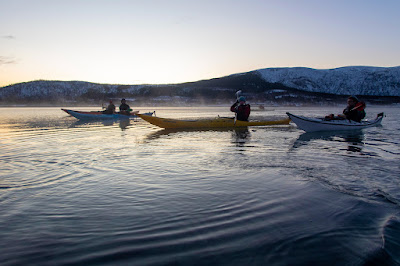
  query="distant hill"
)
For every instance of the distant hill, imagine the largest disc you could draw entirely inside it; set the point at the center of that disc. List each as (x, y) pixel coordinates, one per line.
(271, 86)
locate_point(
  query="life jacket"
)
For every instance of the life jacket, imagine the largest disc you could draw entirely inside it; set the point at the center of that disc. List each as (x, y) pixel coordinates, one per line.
(243, 112)
(360, 106)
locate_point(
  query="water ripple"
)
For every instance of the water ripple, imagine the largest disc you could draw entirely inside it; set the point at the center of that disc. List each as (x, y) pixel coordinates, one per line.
(107, 193)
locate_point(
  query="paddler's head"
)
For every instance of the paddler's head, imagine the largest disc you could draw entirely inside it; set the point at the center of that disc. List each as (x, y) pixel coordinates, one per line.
(352, 101)
(242, 100)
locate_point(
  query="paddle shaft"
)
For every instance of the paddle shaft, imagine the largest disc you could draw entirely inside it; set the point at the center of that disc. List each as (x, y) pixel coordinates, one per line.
(358, 106)
(237, 99)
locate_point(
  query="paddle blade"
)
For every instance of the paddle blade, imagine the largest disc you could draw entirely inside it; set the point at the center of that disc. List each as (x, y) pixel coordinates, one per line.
(238, 94)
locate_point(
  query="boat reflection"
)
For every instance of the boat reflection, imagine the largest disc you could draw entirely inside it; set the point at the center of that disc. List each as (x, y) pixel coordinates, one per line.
(354, 139)
(82, 123)
(123, 124)
(239, 135)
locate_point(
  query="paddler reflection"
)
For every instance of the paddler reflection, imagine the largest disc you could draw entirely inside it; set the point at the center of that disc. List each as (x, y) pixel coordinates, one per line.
(240, 136)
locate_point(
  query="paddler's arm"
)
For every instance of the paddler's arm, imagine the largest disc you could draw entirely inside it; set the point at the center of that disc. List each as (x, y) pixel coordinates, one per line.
(233, 107)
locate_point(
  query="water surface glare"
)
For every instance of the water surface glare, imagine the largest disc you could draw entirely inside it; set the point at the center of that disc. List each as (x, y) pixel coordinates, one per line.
(129, 193)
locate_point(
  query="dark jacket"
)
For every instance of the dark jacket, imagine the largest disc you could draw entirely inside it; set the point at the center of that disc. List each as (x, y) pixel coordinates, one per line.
(242, 111)
(124, 108)
(354, 115)
(110, 109)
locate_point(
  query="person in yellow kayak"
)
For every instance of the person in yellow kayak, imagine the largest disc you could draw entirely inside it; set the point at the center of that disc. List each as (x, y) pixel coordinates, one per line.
(241, 108)
(354, 110)
(124, 108)
(110, 108)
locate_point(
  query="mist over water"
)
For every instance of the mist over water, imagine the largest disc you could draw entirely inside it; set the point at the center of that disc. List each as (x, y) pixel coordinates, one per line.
(129, 193)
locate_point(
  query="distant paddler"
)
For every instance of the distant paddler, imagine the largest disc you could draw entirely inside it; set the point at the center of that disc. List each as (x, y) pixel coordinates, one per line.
(124, 108)
(110, 108)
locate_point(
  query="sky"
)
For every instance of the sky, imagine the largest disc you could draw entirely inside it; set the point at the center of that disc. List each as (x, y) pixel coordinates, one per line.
(174, 41)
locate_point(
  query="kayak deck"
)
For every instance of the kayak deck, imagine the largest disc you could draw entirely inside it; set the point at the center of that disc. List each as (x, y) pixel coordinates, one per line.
(218, 122)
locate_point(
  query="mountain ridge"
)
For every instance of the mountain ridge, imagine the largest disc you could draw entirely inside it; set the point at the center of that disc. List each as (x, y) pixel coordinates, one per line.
(360, 80)
(290, 85)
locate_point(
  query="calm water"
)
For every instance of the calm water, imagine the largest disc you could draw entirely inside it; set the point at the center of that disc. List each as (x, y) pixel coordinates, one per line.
(117, 193)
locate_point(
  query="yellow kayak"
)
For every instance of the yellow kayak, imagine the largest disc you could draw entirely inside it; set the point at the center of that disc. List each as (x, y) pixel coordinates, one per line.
(218, 122)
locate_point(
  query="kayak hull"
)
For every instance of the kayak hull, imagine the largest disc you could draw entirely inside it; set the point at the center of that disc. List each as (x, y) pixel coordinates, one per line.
(317, 124)
(98, 115)
(218, 122)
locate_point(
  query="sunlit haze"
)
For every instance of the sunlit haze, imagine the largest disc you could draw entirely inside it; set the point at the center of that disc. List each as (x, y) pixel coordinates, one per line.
(136, 42)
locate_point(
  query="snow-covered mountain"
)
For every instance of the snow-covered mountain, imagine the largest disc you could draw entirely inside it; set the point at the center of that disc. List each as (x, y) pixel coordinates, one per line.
(40, 90)
(357, 80)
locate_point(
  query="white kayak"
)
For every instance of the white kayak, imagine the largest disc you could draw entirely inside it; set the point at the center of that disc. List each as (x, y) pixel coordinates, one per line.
(319, 124)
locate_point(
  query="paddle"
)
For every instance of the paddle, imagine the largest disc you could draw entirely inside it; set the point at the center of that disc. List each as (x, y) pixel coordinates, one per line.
(237, 99)
(359, 106)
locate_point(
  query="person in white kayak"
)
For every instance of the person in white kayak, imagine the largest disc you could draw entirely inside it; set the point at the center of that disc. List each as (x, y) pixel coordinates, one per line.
(354, 111)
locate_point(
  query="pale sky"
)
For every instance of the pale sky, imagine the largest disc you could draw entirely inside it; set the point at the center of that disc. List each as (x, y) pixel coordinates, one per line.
(174, 41)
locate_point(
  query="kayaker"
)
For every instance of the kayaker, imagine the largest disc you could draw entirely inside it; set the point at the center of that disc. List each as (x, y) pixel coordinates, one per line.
(110, 108)
(124, 107)
(354, 110)
(242, 109)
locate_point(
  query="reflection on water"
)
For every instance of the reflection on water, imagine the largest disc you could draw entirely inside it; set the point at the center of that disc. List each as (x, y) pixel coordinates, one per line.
(241, 136)
(355, 142)
(354, 139)
(123, 124)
